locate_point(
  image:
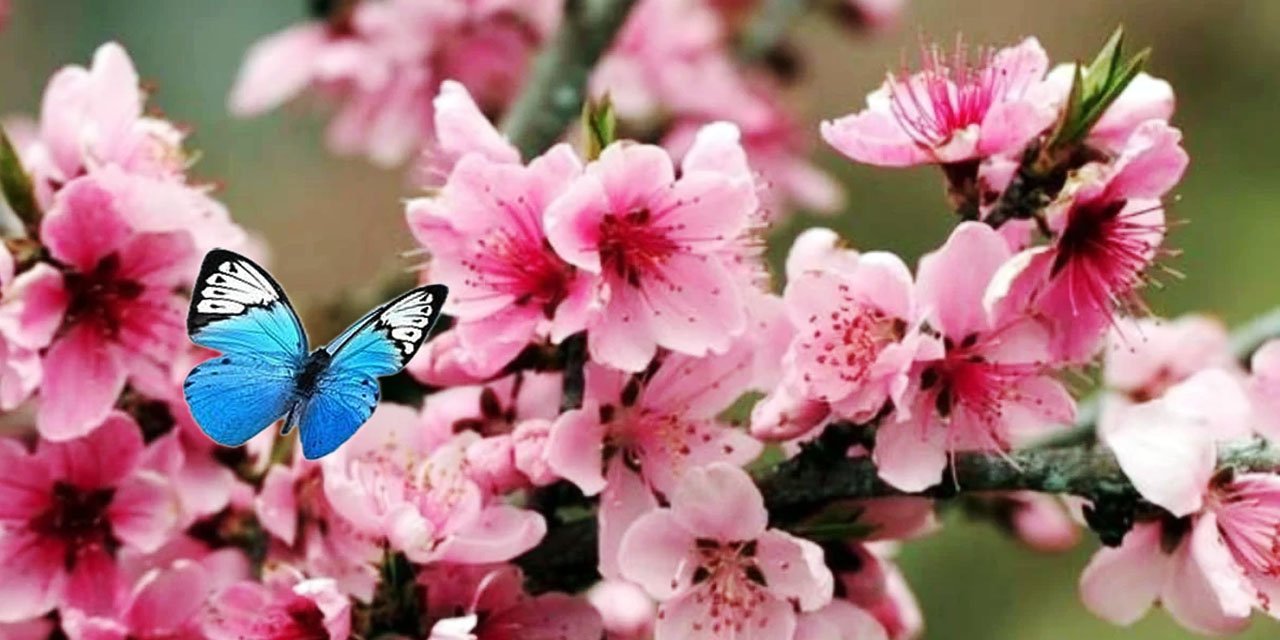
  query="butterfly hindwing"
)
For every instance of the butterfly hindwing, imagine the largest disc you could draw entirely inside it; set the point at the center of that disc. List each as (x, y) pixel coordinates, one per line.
(240, 311)
(379, 344)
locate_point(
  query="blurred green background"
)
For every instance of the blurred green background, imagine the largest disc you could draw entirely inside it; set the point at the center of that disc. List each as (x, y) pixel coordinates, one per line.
(335, 223)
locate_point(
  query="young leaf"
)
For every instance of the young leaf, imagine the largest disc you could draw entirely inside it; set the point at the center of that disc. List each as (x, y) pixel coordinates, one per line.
(599, 126)
(1095, 87)
(16, 184)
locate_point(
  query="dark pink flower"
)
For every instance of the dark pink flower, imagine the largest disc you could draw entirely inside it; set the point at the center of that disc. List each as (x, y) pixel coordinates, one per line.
(487, 602)
(953, 110)
(65, 512)
(285, 606)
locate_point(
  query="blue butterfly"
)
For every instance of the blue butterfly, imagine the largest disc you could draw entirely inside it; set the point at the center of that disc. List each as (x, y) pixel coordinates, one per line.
(265, 372)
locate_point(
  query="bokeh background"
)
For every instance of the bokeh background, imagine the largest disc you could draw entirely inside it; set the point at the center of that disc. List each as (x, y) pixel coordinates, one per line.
(334, 224)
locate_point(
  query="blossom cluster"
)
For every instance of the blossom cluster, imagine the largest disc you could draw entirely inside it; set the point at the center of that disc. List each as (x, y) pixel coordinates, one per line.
(617, 358)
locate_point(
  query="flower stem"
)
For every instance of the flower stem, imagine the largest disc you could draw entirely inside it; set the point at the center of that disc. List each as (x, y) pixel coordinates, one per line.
(554, 94)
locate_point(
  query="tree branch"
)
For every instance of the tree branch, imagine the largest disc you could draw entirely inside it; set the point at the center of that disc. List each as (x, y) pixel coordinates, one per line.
(554, 94)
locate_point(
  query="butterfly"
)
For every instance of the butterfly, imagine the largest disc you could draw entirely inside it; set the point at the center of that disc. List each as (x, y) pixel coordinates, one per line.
(264, 370)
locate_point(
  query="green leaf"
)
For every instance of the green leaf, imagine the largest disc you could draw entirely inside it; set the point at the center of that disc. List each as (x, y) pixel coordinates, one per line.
(1095, 87)
(16, 184)
(599, 126)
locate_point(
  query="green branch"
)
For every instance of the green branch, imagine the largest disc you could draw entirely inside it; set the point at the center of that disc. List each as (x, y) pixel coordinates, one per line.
(553, 97)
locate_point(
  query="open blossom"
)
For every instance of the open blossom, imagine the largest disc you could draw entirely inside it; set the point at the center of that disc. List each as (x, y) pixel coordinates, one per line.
(716, 568)
(110, 312)
(952, 110)
(985, 384)
(659, 249)
(636, 436)
(1146, 356)
(285, 606)
(381, 64)
(484, 230)
(1108, 230)
(69, 508)
(423, 502)
(1209, 571)
(1264, 389)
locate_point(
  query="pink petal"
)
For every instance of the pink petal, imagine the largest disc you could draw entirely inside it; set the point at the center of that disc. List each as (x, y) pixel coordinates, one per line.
(632, 174)
(499, 534)
(952, 281)
(911, 456)
(83, 226)
(144, 511)
(26, 485)
(1120, 584)
(101, 459)
(693, 616)
(719, 501)
(702, 314)
(658, 554)
(167, 600)
(840, 620)
(461, 128)
(1146, 98)
(83, 377)
(1152, 162)
(795, 569)
(276, 505)
(277, 68)
(1168, 455)
(552, 616)
(624, 500)
(1207, 591)
(34, 576)
(622, 336)
(1009, 125)
(575, 446)
(40, 301)
(717, 148)
(94, 584)
(705, 210)
(874, 137)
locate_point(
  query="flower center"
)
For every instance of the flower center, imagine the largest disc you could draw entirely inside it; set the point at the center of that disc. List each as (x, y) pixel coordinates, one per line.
(100, 296)
(945, 96)
(514, 263)
(734, 585)
(1249, 521)
(1103, 251)
(972, 394)
(632, 247)
(847, 343)
(77, 517)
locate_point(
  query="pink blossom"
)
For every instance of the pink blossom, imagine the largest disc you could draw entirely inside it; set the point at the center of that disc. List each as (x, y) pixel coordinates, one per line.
(854, 341)
(1042, 522)
(1208, 571)
(1168, 446)
(487, 603)
(984, 385)
(382, 64)
(67, 508)
(1264, 389)
(1109, 228)
(658, 249)
(839, 620)
(1146, 356)
(484, 230)
(424, 503)
(950, 111)
(716, 569)
(111, 311)
(634, 437)
(461, 128)
(874, 584)
(283, 607)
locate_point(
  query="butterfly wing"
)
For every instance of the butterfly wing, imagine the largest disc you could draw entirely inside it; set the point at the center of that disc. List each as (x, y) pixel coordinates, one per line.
(379, 344)
(239, 310)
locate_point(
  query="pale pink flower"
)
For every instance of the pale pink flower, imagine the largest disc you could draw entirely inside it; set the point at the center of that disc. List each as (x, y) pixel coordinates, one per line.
(484, 230)
(1146, 356)
(658, 249)
(108, 312)
(486, 602)
(382, 64)
(952, 110)
(424, 503)
(984, 385)
(839, 620)
(67, 508)
(853, 315)
(1167, 446)
(1041, 522)
(1208, 571)
(442, 362)
(714, 566)
(1109, 227)
(636, 436)
(285, 606)
(627, 611)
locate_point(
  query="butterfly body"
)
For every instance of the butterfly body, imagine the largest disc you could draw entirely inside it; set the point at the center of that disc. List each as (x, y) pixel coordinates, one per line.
(265, 370)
